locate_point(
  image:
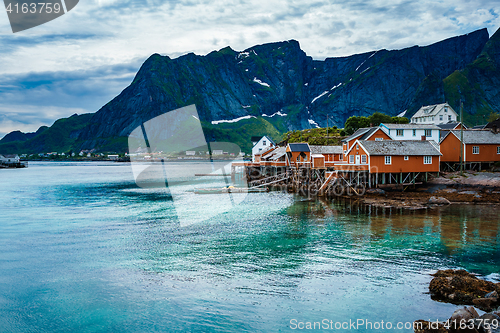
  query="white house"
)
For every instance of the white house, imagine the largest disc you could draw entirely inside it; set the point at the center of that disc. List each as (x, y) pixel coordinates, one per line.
(262, 145)
(434, 114)
(9, 158)
(412, 131)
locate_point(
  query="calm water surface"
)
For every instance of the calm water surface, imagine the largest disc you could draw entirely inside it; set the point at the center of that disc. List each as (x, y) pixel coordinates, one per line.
(83, 249)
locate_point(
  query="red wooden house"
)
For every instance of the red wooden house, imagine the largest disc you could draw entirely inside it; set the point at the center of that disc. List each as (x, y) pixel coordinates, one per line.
(368, 133)
(298, 154)
(479, 146)
(393, 156)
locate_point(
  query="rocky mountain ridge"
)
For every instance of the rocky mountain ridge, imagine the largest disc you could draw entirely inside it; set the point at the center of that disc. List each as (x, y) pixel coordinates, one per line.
(283, 88)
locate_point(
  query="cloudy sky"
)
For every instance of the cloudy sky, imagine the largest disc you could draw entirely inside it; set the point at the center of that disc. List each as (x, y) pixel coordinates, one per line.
(79, 61)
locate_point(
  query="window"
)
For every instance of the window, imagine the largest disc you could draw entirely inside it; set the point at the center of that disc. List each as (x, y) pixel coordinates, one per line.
(399, 132)
(260, 149)
(441, 117)
(357, 147)
(414, 132)
(475, 149)
(351, 159)
(363, 159)
(449, 117)
(341, 157)
(445, 109)
(379, 139)
(428, 132)
(427, 159)
(264, 142)
(345, 152)
(498, 150)
(388, 159)
(407, 158)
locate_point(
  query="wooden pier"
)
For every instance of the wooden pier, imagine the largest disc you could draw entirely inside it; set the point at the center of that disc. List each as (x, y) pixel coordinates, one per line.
(332, 181)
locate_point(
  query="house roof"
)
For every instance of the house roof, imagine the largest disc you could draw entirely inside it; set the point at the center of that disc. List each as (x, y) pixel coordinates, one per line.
(262, 152)
(326, 149)
(275, 154)
(359, 132)
(299, 147)
(479, 127)
(493, 124)
(265, 136)
(10, 155)
(410, 126)
(479, 137)
(432, 110)
(449, 126)
(404, 147)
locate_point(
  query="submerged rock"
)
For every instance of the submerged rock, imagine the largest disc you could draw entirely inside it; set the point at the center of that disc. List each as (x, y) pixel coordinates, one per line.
(422, 326)
(438, 201)
(462, 287)
(375, 191)
(464, 320)
(488, 323)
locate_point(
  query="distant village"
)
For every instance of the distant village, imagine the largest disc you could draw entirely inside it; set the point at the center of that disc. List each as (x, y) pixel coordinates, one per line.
(21, 161)
(402, 154)
(383, 154)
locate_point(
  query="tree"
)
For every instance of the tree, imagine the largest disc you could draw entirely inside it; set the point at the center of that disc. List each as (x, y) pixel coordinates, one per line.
(399, 120)
(353, 123)
(377, 118)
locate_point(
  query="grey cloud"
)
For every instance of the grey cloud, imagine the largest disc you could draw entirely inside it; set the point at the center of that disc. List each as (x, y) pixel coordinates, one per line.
(88, 89)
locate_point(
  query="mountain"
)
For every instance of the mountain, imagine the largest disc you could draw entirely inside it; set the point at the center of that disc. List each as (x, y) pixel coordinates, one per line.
(284, 89)
(478, 84)
(20, 136)
(59, 137)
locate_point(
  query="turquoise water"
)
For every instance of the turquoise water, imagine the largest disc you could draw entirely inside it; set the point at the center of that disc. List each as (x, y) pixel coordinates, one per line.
(83, 249)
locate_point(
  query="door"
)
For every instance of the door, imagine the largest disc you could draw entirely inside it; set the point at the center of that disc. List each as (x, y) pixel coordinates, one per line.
(357, 159)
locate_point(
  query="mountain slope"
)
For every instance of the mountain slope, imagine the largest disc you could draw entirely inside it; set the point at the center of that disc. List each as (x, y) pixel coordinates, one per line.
(60, 137)
(478, 84)
(276, 77)
(284, 89)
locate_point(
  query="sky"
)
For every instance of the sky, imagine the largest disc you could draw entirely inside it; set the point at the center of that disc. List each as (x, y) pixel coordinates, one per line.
(83, 59)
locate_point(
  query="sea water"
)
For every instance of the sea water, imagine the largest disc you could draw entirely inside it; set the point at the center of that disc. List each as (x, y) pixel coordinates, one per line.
(84, 249)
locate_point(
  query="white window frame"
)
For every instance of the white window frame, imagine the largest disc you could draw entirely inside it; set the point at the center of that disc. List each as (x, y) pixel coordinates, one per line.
(427, 159)
(498, 150)
(264, 142)
(414, 132)
(388, 160)
(407, 158)
(475, 150)
(399, 132)
(363, 159)
(379, 139)
(440, 117)
(428, 131)
(351, 159)
(449, 117)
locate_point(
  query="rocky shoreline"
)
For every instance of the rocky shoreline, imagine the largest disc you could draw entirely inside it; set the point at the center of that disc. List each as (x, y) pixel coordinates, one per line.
(463, 288)
(451, 188)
